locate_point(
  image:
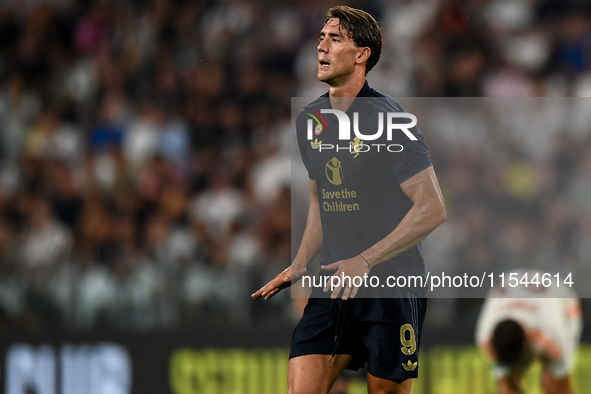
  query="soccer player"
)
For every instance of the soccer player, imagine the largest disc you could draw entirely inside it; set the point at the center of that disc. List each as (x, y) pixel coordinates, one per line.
(515, 327)
(368, 212)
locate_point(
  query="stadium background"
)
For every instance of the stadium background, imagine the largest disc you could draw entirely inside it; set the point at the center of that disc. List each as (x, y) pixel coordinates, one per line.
(145, 174)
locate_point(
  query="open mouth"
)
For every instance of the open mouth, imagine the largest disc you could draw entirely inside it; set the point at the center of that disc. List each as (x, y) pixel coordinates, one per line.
(323, 63)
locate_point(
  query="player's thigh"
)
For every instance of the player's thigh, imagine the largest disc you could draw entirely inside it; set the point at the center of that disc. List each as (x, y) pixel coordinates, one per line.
(314, 374)
(377, 385)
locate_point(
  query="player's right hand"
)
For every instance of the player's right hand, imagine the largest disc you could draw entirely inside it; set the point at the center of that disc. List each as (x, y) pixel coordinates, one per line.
(281, 281)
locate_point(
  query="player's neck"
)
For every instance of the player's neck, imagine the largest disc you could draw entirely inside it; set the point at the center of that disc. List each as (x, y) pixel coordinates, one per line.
(342, 96)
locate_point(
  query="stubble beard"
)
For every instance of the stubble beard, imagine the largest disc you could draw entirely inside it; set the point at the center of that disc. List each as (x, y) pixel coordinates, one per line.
(329, 78)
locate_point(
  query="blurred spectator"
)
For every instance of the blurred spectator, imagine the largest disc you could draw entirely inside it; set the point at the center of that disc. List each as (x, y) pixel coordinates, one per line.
(47, 242)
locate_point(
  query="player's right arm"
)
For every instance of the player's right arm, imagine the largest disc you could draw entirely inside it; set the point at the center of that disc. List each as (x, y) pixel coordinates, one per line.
(309, 248)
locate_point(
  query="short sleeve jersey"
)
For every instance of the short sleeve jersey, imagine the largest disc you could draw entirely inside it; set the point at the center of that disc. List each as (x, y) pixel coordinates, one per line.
(358, 182)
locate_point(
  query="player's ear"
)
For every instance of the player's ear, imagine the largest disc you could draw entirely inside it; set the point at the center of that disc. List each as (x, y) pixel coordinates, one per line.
(363, 55)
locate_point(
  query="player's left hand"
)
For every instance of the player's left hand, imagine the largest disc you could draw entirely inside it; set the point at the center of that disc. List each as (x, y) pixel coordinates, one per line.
(353, 267)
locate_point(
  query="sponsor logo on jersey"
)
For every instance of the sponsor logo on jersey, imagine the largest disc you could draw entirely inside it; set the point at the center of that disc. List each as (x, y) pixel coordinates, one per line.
(334, 171)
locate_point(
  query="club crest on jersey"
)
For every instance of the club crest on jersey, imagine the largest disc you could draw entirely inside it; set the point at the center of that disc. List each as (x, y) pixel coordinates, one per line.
(334, 171)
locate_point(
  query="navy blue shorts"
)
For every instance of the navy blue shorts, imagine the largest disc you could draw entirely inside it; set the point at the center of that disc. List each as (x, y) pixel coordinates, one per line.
(382, 335)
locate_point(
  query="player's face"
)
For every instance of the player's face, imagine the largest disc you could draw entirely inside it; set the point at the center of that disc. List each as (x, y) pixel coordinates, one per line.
(336, 54)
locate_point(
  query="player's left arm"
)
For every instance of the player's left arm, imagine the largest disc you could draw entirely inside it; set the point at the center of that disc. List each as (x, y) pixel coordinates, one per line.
(427, 213)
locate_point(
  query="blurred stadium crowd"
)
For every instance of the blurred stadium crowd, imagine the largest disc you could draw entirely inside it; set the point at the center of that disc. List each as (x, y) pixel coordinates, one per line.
(145, 147)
